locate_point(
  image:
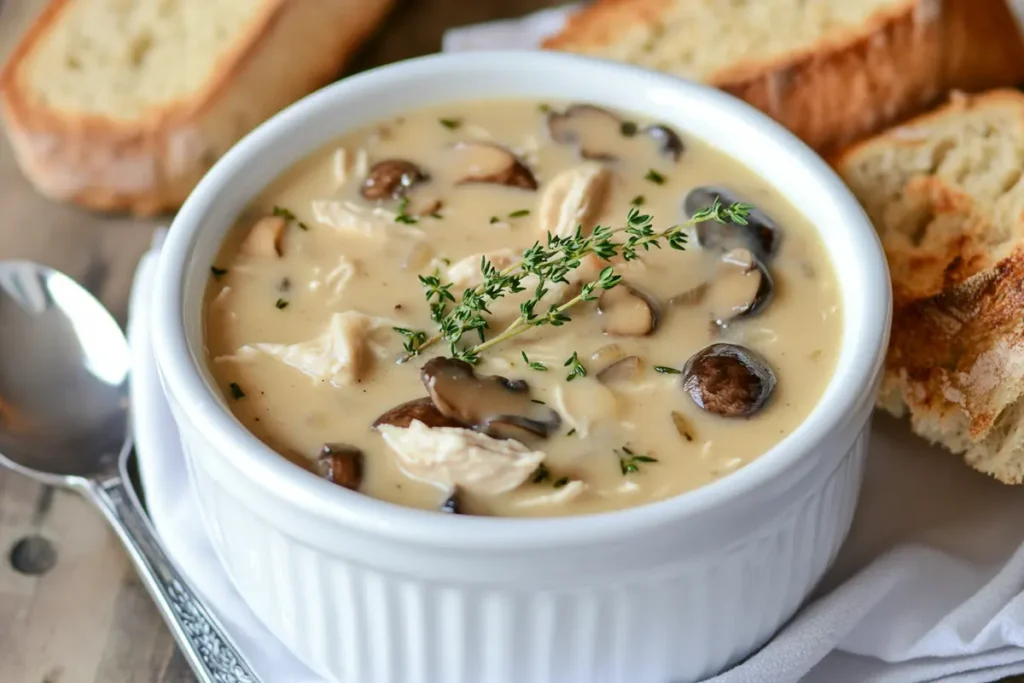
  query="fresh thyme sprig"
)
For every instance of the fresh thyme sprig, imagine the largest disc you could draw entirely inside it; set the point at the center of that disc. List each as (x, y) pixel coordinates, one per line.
(550, 264)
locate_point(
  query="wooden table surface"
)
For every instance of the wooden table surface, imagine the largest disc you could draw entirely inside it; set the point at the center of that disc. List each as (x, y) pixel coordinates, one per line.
(88, 619)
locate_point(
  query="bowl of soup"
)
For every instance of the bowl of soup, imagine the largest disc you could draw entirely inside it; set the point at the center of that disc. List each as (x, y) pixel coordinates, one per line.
(522, 367)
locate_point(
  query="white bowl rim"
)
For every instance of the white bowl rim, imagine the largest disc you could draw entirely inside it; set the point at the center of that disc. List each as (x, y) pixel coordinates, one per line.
(204, 408)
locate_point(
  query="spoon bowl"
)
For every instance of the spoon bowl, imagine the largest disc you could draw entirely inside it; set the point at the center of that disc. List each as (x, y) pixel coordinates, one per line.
(64, 366)
(63, 377)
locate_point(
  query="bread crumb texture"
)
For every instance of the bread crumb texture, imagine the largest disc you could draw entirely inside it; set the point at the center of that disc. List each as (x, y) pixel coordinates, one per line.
(946, 194)
(700, 38)
(120, 58)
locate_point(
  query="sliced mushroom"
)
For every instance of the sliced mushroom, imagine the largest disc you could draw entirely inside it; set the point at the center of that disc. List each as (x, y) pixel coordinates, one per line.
(607, 354)
(574, 197)
(627, 312)
(265, 237)
(624, 370)
(588, 127)
(669, 143)
(603, 136)
(499, 407)
(421, 409)
(390, 178)
(341, 464)
(691, 297)
(453, 505)
(682, 425)
(742, 287)
(728, 380)
(486, 162)
(761, 234)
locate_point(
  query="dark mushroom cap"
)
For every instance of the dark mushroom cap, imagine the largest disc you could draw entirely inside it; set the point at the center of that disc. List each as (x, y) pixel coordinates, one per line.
(761, 234)
(390, 178)
(341, 464)
(669, 143)
(421, 409)
(586, 126)
(499, 407)
(486, 162)
(602, 135)
(627, 312)
(728, 380)
(743, 287)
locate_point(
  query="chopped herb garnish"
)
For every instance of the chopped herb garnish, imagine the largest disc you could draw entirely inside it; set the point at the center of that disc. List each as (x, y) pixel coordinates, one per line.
(665, 370)
(540, 474)
(628, 129)
(413, 339)
(576, 368)
(571, 432)
(445, 260)
(451, 124)
(629, 461)
(218, 273)
(436, 215)
(544, 108)
(402, 216)
(538, 401)
(520, 213)
(560, 482)
(534, 365)
(638, 200)
(655, 177)
(236, 391)
(289, 216)
(547, 262)
(281, 303)
(495, 219)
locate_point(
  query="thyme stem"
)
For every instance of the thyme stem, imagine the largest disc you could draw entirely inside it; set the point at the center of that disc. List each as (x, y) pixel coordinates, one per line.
(550, 264)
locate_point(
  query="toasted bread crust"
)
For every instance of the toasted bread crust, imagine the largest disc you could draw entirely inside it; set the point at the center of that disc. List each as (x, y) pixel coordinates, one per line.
(150, 165)
(955, 361)
(854, 81)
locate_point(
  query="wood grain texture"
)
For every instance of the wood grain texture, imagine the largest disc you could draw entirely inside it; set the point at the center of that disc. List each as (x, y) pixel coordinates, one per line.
(89, 620)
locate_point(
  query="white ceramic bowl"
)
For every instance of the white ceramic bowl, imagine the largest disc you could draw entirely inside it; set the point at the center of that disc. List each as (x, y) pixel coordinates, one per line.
(369, 592)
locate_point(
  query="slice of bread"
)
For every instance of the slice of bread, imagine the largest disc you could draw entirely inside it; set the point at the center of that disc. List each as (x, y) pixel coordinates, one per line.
(946, 194)
(124, 105)
(831, 71)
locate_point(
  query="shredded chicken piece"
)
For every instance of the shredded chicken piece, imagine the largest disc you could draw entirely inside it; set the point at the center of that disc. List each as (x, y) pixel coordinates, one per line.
(583, 403)
(571, 491)
(351, 218)
(466, 272)
(264, 238)
(574, 198)
(341, 355)
(449, 457)
(339, 277)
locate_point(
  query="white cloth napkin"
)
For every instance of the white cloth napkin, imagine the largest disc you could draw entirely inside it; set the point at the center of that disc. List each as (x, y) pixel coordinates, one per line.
(929, 587)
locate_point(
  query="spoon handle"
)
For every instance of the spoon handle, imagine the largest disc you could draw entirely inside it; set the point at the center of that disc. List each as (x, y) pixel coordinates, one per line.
(212, 655)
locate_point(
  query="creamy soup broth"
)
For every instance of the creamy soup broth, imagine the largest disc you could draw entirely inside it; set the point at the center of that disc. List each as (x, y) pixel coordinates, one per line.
(299, 312)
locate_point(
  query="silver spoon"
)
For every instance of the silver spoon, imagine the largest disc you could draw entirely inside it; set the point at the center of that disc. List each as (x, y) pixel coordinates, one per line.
(64, 366)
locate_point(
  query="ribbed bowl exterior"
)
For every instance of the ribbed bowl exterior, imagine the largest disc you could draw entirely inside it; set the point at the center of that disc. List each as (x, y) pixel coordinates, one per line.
(689, 618)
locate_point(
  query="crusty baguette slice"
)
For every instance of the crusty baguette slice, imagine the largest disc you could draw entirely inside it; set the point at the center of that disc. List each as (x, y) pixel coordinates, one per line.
(831, 71)
(946, 194)
(124, 105)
